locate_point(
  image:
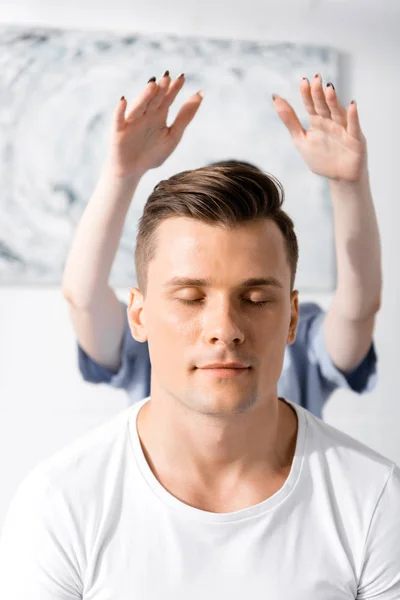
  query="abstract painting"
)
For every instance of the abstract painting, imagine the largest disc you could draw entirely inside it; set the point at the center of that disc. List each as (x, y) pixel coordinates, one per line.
(58, 90)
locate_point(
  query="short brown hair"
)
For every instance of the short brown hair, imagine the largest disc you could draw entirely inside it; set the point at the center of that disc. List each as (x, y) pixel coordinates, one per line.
(228, 193)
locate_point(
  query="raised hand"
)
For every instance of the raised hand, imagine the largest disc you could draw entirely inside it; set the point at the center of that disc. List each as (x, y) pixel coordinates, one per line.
(334, 145)
(141, 139)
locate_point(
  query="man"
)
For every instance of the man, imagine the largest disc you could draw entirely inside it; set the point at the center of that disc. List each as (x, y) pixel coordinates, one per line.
(332, 350)
(214, 487)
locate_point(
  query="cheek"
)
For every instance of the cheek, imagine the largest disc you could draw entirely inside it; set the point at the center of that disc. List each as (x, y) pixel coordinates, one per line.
(166, 324)
(271, 333)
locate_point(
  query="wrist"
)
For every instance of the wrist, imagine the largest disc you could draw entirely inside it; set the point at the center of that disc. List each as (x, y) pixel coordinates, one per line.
(119, 175)
(358, 184)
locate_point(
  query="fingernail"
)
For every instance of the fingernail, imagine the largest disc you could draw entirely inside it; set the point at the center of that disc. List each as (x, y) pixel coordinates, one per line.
(181, 75)
(151, 80)
(353, 102)
(274, 97)
(330, 85)
(122, 98)
(201, 93)
(305, 79)
(166, 74)
(316, 75)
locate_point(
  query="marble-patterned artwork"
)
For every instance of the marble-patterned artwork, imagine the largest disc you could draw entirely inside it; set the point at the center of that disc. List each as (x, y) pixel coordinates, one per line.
(58, 90)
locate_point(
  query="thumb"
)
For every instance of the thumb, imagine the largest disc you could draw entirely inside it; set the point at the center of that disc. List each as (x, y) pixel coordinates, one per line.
(186, 115)
(288, 117)
(353, 121)
(119, 114)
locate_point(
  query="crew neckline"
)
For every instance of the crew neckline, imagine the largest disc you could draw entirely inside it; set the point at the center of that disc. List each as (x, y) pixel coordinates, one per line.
(198, 514)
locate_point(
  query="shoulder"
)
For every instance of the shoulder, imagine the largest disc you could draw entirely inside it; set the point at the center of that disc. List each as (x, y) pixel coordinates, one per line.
(81, 467)
(309, 311)
(356, 471)
(311, 317)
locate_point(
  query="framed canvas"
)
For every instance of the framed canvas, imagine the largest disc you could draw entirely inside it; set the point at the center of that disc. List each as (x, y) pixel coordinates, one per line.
(58, 90)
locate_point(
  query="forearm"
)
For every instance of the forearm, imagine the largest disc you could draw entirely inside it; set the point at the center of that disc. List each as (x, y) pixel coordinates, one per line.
(97, 238)
(358, 253)
(350, 321)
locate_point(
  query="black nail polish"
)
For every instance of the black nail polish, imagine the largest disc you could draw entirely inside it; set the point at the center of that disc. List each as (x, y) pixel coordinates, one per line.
(274, 97)
(122, 98)
(151, 80)
(316, 75)
(181, 75)
(330, 85)
(166, 74)
(353, 102)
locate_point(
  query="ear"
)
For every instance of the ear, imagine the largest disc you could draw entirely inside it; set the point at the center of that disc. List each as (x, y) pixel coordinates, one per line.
(135, 313)
(294, 316)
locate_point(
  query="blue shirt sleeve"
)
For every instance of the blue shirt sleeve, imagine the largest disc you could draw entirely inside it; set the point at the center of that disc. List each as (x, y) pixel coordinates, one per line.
(362, 379)
(317, 375)
(134, 373)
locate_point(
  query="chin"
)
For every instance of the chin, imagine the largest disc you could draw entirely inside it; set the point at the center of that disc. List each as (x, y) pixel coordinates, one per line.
(223, 403)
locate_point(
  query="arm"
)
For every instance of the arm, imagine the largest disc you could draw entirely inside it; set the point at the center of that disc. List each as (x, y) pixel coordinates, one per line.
(96, 313)
(140, 141)
(42, 556)
(380, 570)
(349, 323)
(334, 147)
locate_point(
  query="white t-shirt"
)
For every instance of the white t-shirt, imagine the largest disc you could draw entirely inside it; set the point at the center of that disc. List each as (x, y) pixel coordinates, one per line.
(94, 523)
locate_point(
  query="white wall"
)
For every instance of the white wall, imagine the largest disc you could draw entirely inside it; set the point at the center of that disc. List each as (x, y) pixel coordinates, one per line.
(43, 402)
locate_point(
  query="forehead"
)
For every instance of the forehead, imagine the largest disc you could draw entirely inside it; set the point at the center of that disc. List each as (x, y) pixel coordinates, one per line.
(186, 247)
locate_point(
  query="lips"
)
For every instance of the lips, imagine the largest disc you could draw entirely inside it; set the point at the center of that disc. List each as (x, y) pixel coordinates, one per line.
(232, 365)
(224, 371)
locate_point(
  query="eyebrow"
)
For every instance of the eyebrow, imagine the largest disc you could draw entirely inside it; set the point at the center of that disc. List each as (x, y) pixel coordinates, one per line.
(247, 283)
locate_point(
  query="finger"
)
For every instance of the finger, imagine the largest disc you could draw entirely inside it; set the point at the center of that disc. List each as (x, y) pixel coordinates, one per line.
(288, 117)
(353, 121)
(119, 114)
(186, 115)
(318, 96)
(140, 104)
(338, 112)
(163, 86)
(305, 92)
(173, 91)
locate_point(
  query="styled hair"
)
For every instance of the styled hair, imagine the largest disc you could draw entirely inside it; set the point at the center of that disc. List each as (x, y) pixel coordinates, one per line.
(228, 193)
(233, 162)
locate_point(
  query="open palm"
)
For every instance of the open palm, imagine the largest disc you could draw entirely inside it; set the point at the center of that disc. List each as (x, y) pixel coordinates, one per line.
(334, 145)
(142, 140)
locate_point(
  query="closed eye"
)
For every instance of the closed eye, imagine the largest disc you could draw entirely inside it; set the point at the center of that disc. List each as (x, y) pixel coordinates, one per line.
(194, 301)
(200, 300)
(253, 303)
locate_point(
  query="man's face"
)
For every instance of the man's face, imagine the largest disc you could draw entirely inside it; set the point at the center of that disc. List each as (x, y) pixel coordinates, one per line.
(218, 313)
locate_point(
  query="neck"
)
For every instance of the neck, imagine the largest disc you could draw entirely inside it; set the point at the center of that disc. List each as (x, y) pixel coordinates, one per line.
(212, 454)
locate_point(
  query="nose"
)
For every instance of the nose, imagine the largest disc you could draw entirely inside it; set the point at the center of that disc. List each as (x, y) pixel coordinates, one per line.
(221, 325)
